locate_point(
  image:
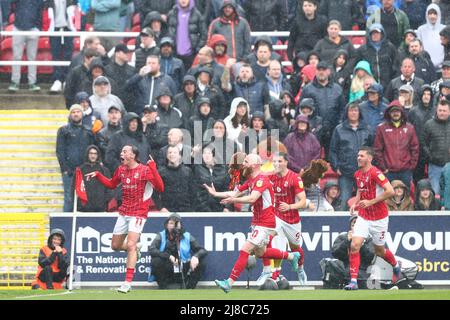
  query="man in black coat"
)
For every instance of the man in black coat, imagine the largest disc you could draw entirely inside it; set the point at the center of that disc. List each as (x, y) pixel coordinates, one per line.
(177, 257)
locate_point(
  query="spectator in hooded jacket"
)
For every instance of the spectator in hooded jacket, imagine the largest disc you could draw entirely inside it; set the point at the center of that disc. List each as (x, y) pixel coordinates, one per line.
(102, 99)
(276, 81)
(219, 45)
(436, 138)
(202, 121)
(207, 89)
(425, 199)
(298, 63)
(186, 99)
(91, 119)
(445, 76)
(394, 21)
(381, 54)
(396, 145)
(238, 119)
(278, 120)
(168, 113)
(302, 145)
(308, 28)
(177, 177)
(418, 116)
(148, 82)
(348, 137)
(258, 132)
(209, 172)
(132, 134)
(400, 201)
(217, 139)
(72, 141)
(234, 28)
(330, 44)
(149, 6)
(97, 194)
(307, 75)
(428, 33)
(342, 71)
(306, 107)
(331, 197)
(187, 26)
(54, 262)
(408, 36)
(205, 59)
(360, 73)
(372, 110)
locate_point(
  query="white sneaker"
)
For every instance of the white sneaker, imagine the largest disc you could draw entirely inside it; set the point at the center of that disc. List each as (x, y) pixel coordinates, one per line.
(56, 87)
(262, 278)
(124, 288)
(138, 251)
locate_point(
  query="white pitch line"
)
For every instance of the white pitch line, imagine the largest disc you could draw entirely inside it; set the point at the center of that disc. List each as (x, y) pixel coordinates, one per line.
(45, 295)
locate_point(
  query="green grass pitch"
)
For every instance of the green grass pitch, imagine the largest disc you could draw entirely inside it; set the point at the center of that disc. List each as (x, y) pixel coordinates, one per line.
(217, 294)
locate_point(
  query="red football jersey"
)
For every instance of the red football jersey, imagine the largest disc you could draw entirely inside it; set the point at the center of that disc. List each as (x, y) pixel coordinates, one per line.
(263, 210)
(370, 185)
(285, 188)
(137, 187)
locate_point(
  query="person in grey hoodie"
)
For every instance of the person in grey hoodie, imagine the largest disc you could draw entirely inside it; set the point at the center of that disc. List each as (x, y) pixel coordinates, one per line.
(102, 99)
(428, 33)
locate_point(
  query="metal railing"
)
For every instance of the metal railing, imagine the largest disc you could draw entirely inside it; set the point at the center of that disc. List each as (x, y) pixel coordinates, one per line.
(84, 34)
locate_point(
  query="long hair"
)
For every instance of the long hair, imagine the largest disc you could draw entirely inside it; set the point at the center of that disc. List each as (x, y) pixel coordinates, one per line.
(235, 121)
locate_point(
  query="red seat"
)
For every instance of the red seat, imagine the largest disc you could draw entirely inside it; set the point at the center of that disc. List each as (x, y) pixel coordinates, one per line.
(76, 44)
(12, 17)
(6, 44)
(358, 40)
(131, 42)
(136, 28)
(44, 55)
(136, 19)
(44, 43)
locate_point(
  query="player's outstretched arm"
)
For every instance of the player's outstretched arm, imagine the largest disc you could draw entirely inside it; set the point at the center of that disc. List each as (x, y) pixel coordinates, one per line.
(155, 179)
(250, 199)
(224, 194)
(109, 183)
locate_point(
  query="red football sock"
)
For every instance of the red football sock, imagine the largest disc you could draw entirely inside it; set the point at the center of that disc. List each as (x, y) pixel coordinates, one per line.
(272, 253)
(129, 275)
(355, 259)
(266, 261)
(239, 266)
(389, 257)
(302, 255)
(276, 274)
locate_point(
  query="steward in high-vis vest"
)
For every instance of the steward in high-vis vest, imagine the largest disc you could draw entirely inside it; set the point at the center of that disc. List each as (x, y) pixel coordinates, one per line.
(172, 246)
(53, 262)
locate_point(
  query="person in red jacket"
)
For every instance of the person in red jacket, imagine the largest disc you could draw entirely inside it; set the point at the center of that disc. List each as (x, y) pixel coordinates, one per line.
(53, 263)
(136, 197)
(396, 145)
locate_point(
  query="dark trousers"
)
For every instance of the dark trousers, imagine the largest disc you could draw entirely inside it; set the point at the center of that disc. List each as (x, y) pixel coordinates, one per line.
(187, 60)
(49, 277)
(162, 269)
(62, 50)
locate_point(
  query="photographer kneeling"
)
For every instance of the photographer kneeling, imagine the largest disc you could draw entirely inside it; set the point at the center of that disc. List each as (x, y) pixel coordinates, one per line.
(166, 249)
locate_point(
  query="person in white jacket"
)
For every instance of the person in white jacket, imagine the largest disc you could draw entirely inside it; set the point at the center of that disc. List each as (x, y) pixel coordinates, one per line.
(237, 122)
(428, 33)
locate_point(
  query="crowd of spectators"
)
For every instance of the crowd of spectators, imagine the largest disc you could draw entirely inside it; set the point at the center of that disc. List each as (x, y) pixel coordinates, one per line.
(197, 88)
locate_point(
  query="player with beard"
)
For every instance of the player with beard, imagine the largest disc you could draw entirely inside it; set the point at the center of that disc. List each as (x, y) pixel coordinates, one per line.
(289, 198)
(261, 198)
(373, 189)
(136, 194)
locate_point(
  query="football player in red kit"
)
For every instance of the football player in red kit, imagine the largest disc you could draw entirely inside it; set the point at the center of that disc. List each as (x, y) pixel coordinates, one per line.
(289, 198)
(373, 189)
(136, 194)
(263, 223)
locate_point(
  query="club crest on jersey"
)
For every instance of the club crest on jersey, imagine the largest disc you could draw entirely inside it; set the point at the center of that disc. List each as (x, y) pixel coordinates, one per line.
(278, 189)
(300, 184)
(259, 183)
(128, 180)
(381, 177)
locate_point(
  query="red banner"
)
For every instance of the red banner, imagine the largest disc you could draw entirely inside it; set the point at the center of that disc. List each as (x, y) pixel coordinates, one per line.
(80, 187)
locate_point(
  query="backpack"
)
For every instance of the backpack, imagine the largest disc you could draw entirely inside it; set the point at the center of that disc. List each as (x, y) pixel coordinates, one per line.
(334, 273)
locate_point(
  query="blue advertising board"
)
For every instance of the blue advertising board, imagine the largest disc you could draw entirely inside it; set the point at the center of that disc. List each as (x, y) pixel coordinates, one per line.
(422, 238)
